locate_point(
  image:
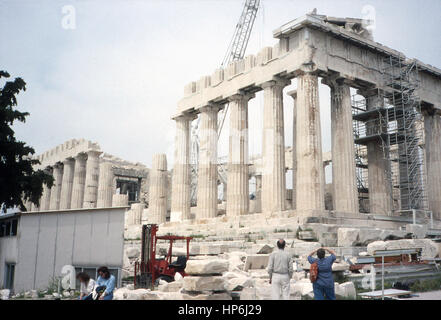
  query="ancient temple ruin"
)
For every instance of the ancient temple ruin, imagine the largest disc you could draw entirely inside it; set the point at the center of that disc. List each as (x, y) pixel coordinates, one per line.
(391, 134)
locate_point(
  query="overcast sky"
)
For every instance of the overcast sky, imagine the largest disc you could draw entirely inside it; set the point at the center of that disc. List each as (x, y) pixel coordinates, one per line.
(116, 77)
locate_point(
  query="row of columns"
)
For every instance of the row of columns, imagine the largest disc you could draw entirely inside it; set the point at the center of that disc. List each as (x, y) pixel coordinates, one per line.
(308, 175)
(79, 182)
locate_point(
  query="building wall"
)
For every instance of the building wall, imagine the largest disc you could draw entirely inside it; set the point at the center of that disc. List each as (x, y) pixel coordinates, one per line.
(49, 240)
(8, 254)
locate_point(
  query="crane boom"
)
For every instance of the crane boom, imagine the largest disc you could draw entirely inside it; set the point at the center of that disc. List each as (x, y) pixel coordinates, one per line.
(236, 51)
(239, 42)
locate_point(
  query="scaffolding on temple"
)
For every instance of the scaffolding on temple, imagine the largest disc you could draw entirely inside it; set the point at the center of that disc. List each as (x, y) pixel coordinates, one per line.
(393, 120)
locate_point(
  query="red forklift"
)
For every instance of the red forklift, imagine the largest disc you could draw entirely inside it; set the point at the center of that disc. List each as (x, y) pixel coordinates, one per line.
(149, 270)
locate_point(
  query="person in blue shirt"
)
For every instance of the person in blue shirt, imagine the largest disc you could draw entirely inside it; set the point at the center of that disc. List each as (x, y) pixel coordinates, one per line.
(324, 286)
(108, 280)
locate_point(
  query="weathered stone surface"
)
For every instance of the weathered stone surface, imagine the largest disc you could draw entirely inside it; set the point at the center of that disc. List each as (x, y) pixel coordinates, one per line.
(138, 294)
(170, 295)
(4, 294)
(206, 267)
(237, 284)
(236, 260)
(133, 232)
(173, 286)
(430, 248)
(248, 294)
(266, 249)
(304, 248)
(204, 283)
(345, 290)
(304, 287)
(256, 262)
(207, 296)
(307, 235)
(213, 249)
(348, 237)
(133, 252)
(419, 231)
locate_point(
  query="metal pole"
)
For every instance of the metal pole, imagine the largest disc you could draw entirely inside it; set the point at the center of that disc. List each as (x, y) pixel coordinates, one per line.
(382, 277)
(414, 216)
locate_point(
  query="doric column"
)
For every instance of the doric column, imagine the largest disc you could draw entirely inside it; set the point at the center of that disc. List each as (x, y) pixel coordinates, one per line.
(105, 185)
(180, 198)
(45, 198)
(158, 190)
(310, 179)
(207, 171)
(91, 182)
(293, 95)
(344, 182)
(238, 185)
(273, 148)
(379, 187)
(67, 183)
(258, 193)
(56, 188)
(432, 130)
(78, 181)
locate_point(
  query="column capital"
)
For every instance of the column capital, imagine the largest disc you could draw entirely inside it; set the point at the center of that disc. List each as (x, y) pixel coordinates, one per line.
(185, 117)
(292, 94)
(94, 153)
(241, 96)
(80, 156)
(210, 108)
(68, 160)
(275, 83)
(57, 165)
(334, 81)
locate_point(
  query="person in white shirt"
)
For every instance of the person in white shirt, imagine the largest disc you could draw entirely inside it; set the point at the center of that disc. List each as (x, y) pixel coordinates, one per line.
(280, 270)
(86, 286)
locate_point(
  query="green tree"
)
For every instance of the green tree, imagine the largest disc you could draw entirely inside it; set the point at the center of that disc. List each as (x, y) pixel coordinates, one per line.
(19, 181)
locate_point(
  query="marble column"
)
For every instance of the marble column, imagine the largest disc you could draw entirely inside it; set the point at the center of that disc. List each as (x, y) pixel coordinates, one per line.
(310, 181)
(135, 214)
(258, 193)
(78, 181)
(67, 183)
(207, 171)
(105, 185)
(238, 185)
(158, 190)
(293, 95)
(91, 182)
(432, 130)
(180, 198)
(57, 173)
(380, 201)
(344, 181)
(273, 148)
(45, 198)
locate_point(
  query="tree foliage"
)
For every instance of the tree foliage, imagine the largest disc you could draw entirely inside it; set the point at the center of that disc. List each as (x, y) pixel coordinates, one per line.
(19, 181)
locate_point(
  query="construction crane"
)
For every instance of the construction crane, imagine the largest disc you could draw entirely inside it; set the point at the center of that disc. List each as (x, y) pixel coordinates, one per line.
(236, 51)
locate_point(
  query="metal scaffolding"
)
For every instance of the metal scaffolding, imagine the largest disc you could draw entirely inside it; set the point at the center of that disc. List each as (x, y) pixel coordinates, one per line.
(394, 121)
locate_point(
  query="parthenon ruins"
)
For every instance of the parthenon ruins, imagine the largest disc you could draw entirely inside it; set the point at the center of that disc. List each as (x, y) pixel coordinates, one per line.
(398, 95)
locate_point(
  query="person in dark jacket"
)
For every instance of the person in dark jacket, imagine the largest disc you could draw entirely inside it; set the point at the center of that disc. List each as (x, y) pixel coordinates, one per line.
(324, 286)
